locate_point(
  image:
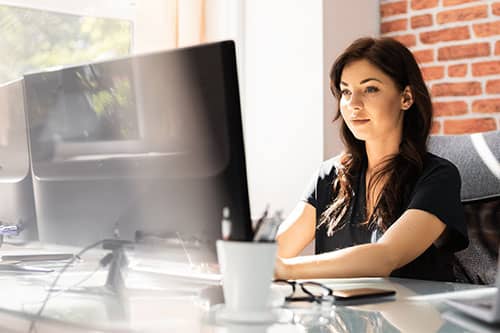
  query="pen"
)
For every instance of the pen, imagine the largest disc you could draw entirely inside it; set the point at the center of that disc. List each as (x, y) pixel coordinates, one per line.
(268, 229)
(261, 219)
(226, 223)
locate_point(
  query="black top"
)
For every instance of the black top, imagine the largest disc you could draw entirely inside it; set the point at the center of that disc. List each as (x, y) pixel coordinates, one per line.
(436, 191)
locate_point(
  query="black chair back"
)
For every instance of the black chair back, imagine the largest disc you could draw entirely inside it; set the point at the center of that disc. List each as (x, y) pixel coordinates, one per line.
(477, 157)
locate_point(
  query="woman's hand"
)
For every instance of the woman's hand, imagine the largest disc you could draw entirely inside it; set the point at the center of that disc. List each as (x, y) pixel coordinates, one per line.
(281, 269)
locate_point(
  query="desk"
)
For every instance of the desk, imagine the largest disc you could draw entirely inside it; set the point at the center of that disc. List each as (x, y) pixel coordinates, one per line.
(159, 303)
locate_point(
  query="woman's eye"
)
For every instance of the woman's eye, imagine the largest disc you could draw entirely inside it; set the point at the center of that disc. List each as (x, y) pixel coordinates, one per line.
(371, 89)
(345, 92)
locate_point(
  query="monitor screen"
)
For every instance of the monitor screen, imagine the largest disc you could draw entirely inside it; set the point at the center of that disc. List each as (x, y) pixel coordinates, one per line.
(148, 144)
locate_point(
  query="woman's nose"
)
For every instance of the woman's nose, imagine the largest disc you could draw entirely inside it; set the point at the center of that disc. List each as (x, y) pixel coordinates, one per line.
(356, 102)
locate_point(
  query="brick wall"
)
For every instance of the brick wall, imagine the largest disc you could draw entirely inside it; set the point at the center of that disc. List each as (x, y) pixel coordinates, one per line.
(457, 44)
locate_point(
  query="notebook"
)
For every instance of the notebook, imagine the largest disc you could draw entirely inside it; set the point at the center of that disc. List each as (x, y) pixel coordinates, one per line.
(485, 309)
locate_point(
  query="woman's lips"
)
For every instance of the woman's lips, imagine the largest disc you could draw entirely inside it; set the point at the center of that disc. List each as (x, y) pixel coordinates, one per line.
(360, 121)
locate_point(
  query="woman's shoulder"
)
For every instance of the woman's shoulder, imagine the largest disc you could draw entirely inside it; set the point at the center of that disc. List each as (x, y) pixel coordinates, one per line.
(436, 164)
(330, 167)
(438, 171)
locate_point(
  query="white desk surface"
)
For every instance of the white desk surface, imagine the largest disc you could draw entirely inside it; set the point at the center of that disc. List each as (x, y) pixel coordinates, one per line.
(166, 303)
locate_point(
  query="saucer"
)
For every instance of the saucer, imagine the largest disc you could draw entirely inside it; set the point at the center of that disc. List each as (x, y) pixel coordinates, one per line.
(267, 316)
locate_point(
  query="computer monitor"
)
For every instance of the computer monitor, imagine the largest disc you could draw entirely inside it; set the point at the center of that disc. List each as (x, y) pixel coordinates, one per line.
(148, 144)
(16, 189)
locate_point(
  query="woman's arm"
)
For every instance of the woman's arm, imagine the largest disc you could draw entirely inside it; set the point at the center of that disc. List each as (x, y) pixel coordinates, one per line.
(403, 242)
(297, 231)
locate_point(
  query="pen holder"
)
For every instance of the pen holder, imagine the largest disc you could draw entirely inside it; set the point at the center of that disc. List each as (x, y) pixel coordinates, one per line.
(247, 270)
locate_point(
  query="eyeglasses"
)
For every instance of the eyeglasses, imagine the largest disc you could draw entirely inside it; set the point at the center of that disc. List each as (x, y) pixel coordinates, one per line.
(314, 291)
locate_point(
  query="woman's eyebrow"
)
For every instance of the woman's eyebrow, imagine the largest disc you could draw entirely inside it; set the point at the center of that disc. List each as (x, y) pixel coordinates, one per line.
(362, 81)
(370, 79)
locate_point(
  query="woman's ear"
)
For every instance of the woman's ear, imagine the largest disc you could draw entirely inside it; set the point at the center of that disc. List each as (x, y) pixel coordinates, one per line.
(406, 98)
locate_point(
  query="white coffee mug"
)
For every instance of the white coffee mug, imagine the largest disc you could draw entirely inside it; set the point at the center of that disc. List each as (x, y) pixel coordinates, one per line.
(247, 270)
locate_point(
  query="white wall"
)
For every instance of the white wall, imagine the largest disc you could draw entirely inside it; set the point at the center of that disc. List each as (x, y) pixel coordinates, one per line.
(289, 47)
(283, 99)
(343, 22)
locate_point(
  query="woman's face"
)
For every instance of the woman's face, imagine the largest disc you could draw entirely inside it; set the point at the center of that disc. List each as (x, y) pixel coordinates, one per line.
(371, 104)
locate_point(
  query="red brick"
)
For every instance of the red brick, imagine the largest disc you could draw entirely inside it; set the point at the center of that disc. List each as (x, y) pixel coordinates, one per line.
(473, 125)
(444, 35)
(493, 87)
(396, 25)
(436, 127)
(486, 106)
(486, 68)
(487, 29)
(421, 21)
(456, 89)
(464, 51)
(497, 48)
(407, 40)
(423, 56)
(456, 2)
(449, 108)
(393, 8)
(432, 73)
(496, 8)
(423, 4)
(463, 14)
(457, 70)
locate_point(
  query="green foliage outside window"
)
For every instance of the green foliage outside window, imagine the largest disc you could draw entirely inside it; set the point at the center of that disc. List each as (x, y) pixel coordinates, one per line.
(33, 39)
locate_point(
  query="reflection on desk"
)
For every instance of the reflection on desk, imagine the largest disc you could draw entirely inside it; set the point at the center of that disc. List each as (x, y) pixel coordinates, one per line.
(156, 302)
(468, 324)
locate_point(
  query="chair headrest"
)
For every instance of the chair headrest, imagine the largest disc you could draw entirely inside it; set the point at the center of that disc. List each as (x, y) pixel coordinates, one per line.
(477, 158)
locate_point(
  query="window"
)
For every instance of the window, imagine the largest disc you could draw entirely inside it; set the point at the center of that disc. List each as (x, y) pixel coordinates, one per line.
(33, 39)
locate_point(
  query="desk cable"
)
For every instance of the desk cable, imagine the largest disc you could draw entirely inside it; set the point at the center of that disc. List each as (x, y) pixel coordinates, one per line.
(77, 284)
(104, 261)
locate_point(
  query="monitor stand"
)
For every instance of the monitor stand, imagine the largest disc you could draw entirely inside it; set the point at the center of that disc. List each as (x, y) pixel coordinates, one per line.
(115, 295)
(115, 281)
(114, 290)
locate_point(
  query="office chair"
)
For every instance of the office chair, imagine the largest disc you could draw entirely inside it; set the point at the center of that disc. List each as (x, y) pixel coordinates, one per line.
(477, 157)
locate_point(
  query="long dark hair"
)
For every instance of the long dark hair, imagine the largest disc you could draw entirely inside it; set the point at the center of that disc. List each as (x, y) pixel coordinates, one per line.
(400, 170)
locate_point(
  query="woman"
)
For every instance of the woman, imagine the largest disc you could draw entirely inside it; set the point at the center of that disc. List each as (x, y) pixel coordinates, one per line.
(385, 206)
